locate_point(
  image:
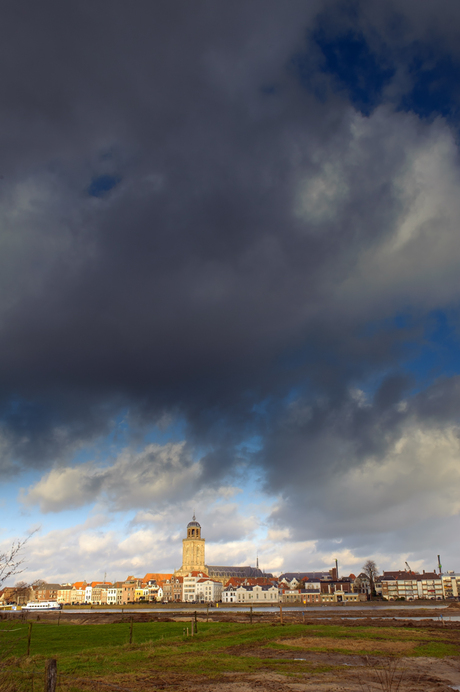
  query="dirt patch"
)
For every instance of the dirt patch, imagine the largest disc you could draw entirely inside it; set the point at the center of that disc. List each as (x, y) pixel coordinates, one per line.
(403, 675)
(367, 645)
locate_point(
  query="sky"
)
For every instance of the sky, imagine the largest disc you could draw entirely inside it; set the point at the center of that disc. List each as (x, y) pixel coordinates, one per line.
(229, 284)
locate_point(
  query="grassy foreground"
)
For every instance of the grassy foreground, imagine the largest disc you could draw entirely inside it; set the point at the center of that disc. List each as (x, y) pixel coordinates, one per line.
(91, 656)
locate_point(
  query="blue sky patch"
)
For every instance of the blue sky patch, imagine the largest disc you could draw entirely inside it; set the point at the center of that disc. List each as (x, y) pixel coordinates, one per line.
(435, 85)
(429, 346)
(102, 185)
(439, 350)
(355, 68)
(351, 64)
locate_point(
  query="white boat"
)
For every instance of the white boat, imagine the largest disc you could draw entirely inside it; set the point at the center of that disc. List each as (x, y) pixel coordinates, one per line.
(42, 605)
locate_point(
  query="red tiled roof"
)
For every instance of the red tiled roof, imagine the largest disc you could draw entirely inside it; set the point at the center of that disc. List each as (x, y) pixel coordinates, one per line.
(160, 578)
(250, 581)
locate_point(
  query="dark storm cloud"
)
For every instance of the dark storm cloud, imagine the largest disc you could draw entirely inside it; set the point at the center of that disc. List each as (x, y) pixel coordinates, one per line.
(187, 227)
(144, 295)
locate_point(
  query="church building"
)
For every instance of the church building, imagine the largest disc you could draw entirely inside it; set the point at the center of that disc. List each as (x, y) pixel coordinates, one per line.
(193, 559)
(192, 549)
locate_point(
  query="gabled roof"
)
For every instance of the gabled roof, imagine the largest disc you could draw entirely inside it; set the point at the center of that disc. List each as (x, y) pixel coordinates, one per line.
(196, 574)
(236, 581)
(175, 580)
(100, 583)
(156, 576)
(311, 576)
(409, 576)
(230, 571)
(399, 574)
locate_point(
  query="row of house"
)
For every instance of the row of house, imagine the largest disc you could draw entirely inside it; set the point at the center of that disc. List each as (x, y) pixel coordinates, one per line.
(410, 586)
(196, 586)
(309, 588)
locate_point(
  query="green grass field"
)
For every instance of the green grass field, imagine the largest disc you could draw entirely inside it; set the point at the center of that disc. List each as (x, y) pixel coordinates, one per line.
(103, 652)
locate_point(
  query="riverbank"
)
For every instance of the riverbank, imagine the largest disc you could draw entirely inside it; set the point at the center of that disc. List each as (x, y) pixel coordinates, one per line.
(149, 652)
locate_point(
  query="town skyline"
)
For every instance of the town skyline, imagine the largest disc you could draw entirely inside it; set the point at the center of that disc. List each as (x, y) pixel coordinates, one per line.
(312, 567)
(201, 586)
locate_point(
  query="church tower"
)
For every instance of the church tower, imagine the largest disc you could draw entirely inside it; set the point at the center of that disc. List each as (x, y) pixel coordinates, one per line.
(192, 549)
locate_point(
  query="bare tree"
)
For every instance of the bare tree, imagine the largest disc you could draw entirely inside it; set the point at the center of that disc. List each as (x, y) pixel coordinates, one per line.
(11, 561)
(371, 571)
(22, 593)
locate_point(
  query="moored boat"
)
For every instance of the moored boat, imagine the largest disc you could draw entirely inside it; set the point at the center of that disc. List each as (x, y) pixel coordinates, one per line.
(42, 605)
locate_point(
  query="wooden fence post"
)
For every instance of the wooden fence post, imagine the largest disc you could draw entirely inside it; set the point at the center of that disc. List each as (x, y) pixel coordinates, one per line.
(196, 624)
(51, 675)
(131, 632)
(281, 614)
(250, 614)
(29, 636)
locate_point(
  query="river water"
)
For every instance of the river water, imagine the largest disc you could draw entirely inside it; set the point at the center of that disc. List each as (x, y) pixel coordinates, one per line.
(344, 610)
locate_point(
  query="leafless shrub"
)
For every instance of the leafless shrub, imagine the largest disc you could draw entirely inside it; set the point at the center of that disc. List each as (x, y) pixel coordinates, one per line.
(385, 676)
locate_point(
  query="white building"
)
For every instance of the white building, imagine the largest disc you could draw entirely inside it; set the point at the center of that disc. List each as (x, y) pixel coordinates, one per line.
(429, 586)
(114, 594)
(411, 586)
(293, 580)
(451, 584)
(252, 595)
(189, 589)
(362, 584)
(229, 595)
(209, 590)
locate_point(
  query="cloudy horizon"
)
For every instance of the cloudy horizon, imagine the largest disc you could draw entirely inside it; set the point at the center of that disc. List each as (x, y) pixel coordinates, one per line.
(230, 284)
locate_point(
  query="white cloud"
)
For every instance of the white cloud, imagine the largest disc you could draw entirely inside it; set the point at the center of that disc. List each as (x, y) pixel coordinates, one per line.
(157, 474)
(277, 535)
(419, 476)
(415, 262)
(320, 197)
